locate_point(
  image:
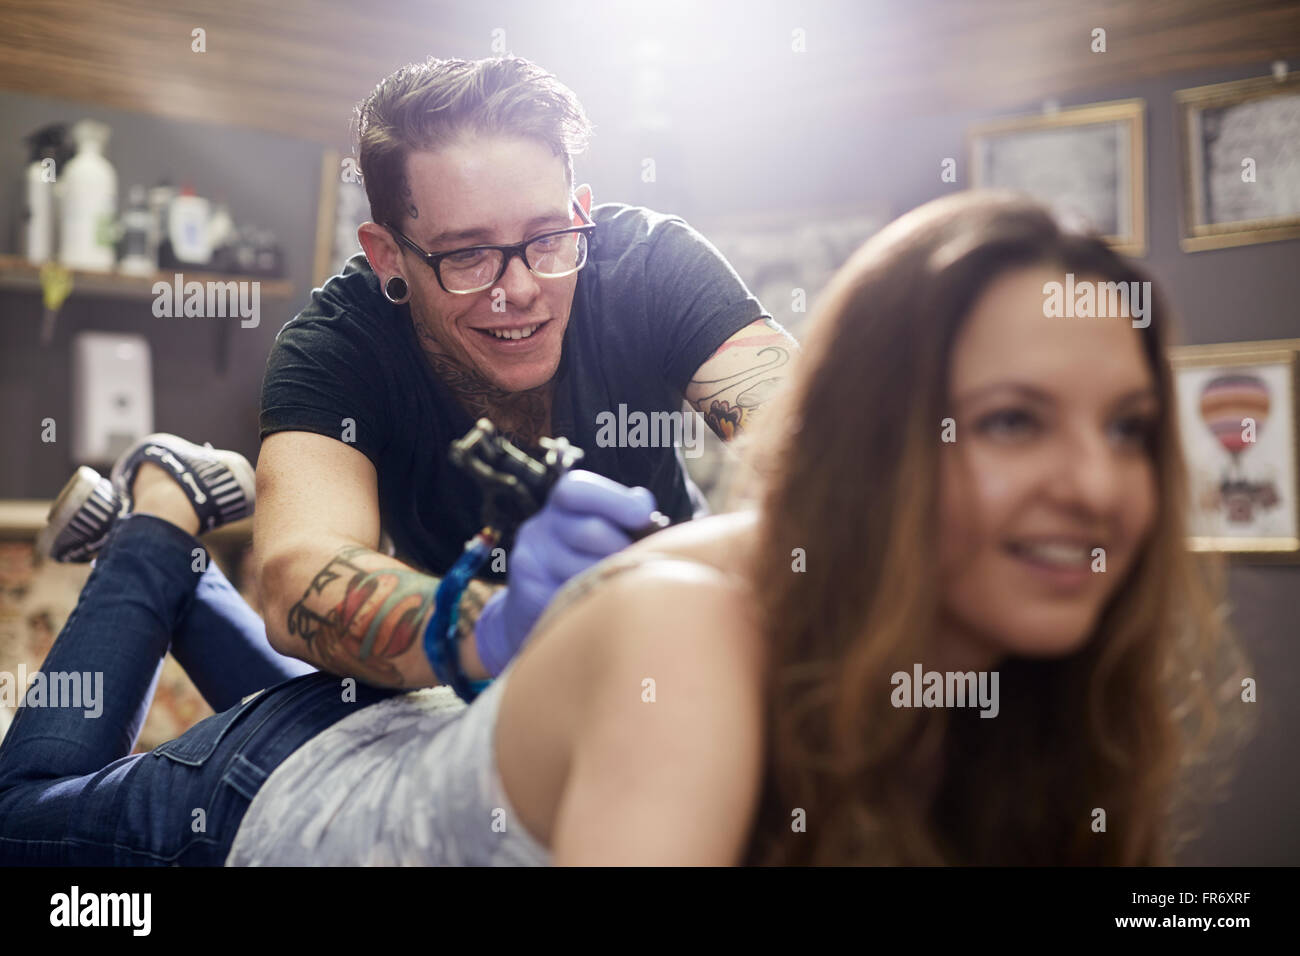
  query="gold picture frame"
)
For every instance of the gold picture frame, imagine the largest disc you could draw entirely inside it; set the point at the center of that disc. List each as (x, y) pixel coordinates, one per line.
(340, 207)
(1219, 127)
(1086, 162)
(1239, 414)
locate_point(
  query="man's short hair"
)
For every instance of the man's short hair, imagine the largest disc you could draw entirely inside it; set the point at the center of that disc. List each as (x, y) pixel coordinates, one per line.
(426, 106)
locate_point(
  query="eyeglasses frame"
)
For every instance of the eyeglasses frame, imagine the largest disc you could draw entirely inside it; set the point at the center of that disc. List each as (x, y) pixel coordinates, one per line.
(434, 259)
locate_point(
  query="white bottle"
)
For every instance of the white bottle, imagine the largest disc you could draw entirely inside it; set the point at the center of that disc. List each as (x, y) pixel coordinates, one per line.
(47, 151)
(221, 228)
(187, 228)
(38, 230)
(87, 192)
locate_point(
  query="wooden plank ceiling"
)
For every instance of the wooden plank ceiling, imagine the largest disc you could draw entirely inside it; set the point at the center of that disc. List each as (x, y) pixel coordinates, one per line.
(297, 66)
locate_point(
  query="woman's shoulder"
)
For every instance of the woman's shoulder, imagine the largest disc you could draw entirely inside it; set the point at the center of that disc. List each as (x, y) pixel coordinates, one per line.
(648, 620)
(723, 542)
(699, 560)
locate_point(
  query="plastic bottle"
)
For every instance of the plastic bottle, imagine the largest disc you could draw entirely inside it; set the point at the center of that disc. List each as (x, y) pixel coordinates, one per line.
(221, 228)
(160, 199)
(48, 151)
(187, 228)
(87, 194)
(136, 259)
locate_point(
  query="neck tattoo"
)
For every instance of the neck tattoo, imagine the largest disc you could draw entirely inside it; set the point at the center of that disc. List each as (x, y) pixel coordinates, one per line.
(521, 416)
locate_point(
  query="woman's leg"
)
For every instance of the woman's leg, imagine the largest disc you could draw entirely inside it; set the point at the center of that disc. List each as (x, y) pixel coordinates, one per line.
(70, 791)
(219, 641)
(109, 653)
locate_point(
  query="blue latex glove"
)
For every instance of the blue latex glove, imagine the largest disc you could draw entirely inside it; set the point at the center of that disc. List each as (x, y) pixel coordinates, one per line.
(586, 517)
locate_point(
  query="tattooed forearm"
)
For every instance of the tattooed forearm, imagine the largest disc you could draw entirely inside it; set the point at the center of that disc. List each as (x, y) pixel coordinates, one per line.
(361, 612)
(774, 357)
(741, 376)
(471, 606)
(729, 402)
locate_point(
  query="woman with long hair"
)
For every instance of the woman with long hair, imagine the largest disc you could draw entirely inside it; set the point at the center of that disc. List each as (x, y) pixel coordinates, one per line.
(958, 490)
(954, 480)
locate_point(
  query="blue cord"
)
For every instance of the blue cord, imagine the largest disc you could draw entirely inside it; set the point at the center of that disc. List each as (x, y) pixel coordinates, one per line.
(440, 644)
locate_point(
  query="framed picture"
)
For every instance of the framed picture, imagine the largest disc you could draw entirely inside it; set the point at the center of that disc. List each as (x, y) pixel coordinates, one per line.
(1237, 410)
(342, 207)
(1087, 163)
(1240, 167)
(780, 254)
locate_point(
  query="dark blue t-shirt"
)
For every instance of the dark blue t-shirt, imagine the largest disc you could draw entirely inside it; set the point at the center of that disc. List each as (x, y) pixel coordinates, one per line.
(653, 302)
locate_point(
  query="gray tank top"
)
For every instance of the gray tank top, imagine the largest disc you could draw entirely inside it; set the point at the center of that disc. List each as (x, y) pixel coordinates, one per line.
(409, 781)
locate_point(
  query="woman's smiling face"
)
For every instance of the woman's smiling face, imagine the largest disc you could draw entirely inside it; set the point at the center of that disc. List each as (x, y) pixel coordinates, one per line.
(1050, 478)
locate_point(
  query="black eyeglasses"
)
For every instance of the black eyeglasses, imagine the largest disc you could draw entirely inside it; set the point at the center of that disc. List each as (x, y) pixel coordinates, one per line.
(552, 255)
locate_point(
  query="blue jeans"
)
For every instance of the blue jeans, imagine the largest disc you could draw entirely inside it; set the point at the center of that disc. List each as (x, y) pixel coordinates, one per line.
(71, 792)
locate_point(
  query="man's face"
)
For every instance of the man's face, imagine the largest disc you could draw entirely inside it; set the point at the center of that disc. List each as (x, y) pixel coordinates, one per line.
(490, 190)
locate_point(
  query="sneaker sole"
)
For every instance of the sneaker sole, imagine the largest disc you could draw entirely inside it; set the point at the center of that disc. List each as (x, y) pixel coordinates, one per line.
(70, 501)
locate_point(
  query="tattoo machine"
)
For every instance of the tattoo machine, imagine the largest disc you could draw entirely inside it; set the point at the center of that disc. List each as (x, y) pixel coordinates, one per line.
(515, 484)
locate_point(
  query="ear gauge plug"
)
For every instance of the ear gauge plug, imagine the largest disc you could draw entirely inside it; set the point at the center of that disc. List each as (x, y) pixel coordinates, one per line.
(396, 290)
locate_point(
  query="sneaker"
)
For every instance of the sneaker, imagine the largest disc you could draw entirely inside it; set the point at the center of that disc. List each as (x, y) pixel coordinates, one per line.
(219, 483)
(80, 518)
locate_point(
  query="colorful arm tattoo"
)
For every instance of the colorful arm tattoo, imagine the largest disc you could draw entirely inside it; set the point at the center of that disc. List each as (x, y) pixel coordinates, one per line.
(741, 376)
(360, 613)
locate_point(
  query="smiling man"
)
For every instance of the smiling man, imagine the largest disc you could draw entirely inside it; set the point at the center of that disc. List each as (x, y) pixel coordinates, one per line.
(490, 286)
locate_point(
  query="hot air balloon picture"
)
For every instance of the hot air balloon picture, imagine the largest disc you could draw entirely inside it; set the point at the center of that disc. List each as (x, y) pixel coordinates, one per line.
(1234, 407)
(1237, 410)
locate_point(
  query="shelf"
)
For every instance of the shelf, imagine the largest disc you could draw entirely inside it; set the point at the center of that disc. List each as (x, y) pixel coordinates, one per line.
(17, 273)
(22, 517)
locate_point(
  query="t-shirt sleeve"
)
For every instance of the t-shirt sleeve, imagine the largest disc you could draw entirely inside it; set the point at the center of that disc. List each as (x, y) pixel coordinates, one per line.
(324, 376)
(696, 298)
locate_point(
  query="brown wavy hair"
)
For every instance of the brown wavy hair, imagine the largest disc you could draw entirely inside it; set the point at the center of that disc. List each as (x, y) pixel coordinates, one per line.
(848, 465)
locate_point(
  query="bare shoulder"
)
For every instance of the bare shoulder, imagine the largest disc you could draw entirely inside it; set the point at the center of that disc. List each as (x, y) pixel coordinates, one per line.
(678, 629)
(637, 595)
(719, 544)
(723, 541)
